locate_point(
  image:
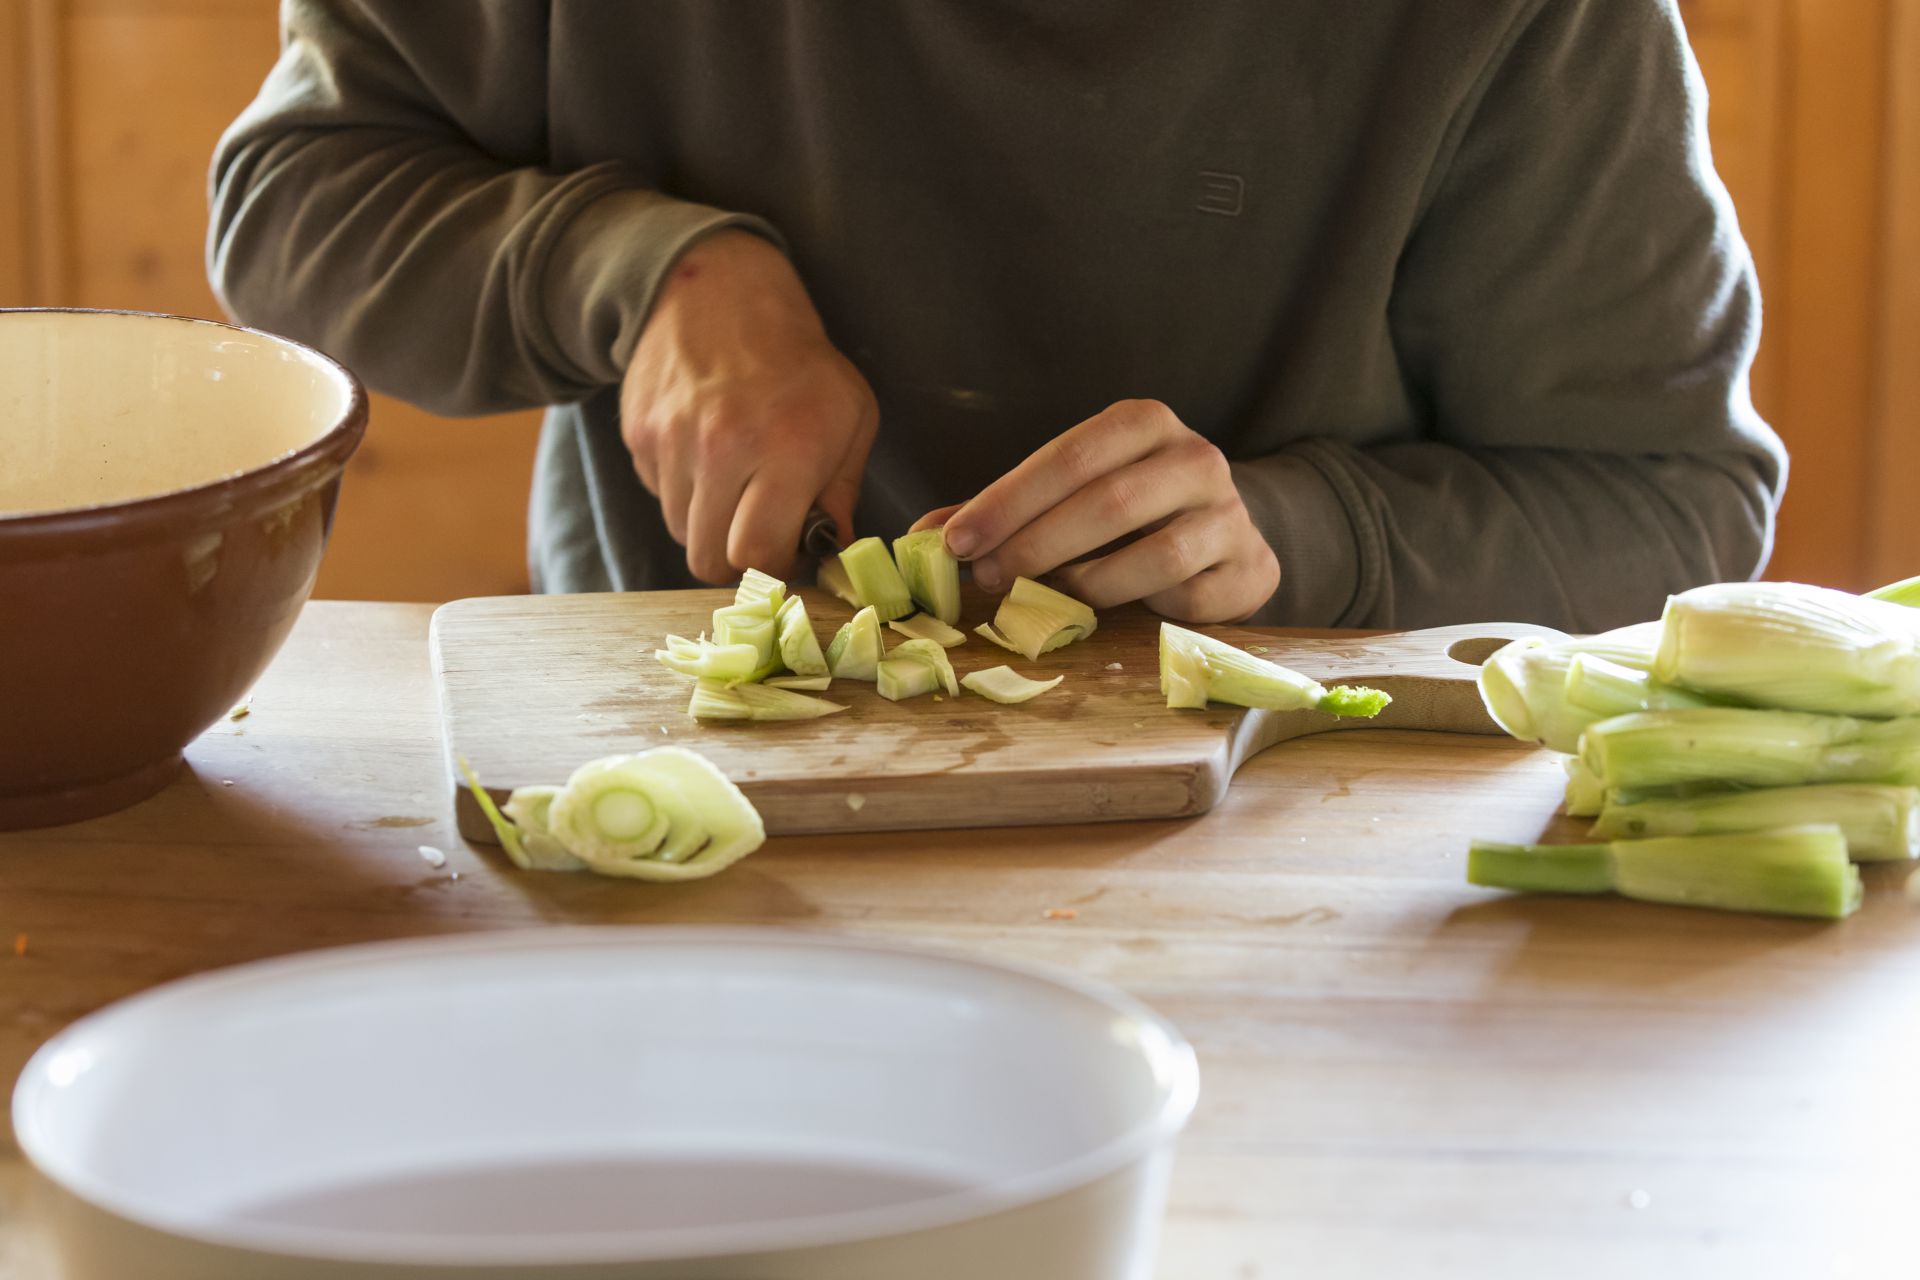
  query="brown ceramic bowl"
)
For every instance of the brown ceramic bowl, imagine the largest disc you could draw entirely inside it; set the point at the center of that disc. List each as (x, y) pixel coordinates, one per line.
(166, 486)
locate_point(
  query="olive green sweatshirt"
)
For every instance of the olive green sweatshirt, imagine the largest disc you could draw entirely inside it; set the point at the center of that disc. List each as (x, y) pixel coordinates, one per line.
(1453, 282)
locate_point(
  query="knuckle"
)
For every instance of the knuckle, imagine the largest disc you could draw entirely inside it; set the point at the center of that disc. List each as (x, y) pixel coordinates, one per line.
(1074, 458)
(1209, 459)
(1121, 503)
(1179, 554)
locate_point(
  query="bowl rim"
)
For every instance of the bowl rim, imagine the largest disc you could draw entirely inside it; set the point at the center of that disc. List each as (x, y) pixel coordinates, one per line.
(1175, 1062)
(298, 469)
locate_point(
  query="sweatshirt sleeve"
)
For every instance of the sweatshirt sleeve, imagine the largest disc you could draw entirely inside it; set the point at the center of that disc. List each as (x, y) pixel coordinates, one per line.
(1577, 310)
(387, 198)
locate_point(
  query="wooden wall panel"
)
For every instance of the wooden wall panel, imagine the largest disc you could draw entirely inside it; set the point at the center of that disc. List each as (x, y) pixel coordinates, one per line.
(1829, 285)
(1895, 447)
(15, 153)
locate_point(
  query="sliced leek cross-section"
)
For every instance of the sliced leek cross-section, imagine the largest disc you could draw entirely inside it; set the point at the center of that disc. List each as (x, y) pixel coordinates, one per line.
(1006, 686)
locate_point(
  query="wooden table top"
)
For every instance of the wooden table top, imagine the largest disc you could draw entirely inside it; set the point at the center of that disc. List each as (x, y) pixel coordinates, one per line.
(1402, 1075)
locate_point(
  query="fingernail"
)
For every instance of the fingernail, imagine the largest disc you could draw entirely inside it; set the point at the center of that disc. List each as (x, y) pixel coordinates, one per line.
(986, 575)
(961, 541)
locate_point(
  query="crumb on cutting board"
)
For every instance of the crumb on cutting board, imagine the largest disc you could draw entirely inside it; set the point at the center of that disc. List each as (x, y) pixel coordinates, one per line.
(1060, 913)
(432, 856)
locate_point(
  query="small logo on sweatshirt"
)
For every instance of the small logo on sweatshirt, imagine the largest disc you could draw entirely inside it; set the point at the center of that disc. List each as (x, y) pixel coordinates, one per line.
(1222, 193)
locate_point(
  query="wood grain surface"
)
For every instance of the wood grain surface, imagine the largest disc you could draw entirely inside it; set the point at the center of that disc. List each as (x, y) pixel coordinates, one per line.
(531, 687)
(1402, 1075)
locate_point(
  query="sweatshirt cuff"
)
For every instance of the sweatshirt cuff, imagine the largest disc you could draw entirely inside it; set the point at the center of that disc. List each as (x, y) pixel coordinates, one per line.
(1299, 512)
(605, 268)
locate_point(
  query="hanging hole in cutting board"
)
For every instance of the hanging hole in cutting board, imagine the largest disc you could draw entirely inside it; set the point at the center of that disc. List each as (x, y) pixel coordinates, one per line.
(1475, 650)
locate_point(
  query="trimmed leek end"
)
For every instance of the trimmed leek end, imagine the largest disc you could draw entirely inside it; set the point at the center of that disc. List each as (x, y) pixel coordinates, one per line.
(1793, 871)
(1586, 795)
(812, 684)
(760, 591)
(876, 581)
(1354, 701)
(1793, 647)
(924, 626)
(857, 648)
(1541, 868)
(1034, 619)
(1608, 689)
(1193, 666)
(1880, 823)
(799, 647)
(902, 678)
(705, 660)
(1740, 747)
(931, 573)
(715, 701)
(931, 656)
(1502, 688)
(664, 814)
(1905, 592)
(1006, 686)
(832, 577)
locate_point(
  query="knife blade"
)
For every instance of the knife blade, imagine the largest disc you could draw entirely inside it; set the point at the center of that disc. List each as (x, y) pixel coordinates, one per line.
(820, 535)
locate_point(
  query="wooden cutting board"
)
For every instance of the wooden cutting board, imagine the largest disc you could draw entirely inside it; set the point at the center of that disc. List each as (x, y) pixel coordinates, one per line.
(532, 686)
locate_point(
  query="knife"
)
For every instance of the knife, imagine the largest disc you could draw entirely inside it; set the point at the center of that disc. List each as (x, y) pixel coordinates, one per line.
(819, 536)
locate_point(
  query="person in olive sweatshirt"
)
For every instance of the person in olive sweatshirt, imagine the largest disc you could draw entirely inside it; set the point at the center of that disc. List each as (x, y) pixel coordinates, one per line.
(1306, 311)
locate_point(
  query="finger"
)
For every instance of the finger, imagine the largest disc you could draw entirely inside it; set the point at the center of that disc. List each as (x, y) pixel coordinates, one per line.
(840, 496)
(935, 518)
(719, 477)
(1188, 545)
(1116, 505)
(673, 482)
(766, 526)
(1124, 433)
(1220, 594)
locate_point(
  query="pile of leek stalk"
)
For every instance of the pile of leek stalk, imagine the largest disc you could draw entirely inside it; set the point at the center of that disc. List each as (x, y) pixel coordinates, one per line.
(1741, 753)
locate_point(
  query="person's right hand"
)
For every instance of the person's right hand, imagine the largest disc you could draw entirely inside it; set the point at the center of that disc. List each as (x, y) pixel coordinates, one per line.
(739, 413)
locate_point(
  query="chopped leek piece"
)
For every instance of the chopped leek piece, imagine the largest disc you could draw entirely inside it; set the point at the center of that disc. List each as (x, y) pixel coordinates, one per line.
(715, 701)
(1793, 647)
(528, 808)
(1904, 592)
(1006, 686)
(1881, 824)
(857, 648)
(901, 678)
(503, 830)
(1196, 669)
(1035, 619)
(812, 684)
(832, 577)
(664, 814)
(985, 630)
(760, 591)
(1795, 871)
(1609, 689)
(931, 573)
(705, 660)
(799, 647)
(1739, 747)
(876, 581)
(932, 656)
(1586, 795)
(924, 626)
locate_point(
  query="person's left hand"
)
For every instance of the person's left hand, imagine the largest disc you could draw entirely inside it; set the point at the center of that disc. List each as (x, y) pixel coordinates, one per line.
(1133, 475)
